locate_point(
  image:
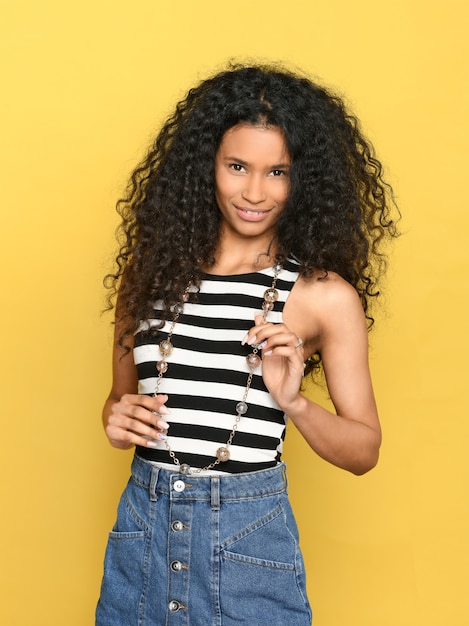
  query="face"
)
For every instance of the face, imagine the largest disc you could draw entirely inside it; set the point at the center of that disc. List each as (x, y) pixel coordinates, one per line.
(252, 180)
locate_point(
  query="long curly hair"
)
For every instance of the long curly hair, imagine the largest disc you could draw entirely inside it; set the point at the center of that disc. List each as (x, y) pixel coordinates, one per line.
(337, 218)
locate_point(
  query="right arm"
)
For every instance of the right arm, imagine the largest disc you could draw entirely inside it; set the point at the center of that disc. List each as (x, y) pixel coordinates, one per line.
(130, 418)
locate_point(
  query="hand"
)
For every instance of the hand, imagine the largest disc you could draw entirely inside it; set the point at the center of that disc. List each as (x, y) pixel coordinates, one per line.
(136, 420)
(282, 360)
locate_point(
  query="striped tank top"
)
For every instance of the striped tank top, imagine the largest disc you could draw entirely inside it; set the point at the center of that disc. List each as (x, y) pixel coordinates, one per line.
(207, 375)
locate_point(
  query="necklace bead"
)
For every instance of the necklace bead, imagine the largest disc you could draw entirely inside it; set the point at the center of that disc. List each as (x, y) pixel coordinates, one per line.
(253, 360)
(166, 347)
(241, 408)
(271, 295)
(223, 454)
(162, 367)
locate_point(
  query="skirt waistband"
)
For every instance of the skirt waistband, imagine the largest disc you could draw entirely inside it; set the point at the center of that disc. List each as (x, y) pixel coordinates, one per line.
(212, 488)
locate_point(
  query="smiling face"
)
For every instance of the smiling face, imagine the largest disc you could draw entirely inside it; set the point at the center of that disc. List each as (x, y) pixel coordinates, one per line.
(252, 181)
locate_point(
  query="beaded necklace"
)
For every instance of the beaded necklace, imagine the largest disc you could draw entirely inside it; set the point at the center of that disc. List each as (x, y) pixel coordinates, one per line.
(253, 361)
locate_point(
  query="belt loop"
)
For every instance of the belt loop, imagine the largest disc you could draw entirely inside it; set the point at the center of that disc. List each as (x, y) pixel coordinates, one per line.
(153, 481)
(215, 492)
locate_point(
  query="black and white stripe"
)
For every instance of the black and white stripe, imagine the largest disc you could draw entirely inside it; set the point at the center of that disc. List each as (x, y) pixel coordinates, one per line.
(207, 375)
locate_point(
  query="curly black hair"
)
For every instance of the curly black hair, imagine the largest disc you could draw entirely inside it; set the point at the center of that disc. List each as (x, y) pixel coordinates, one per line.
(337, 218)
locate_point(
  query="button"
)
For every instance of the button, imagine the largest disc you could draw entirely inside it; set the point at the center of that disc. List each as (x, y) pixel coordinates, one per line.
(177, 526)
(179, 485)
(176, 566)
(174, 606)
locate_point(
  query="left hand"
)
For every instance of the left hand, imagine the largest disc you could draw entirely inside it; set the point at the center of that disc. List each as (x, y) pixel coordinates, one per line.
(282, 360)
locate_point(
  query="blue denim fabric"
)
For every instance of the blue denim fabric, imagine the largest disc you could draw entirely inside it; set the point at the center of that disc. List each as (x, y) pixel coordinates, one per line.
(203, 551)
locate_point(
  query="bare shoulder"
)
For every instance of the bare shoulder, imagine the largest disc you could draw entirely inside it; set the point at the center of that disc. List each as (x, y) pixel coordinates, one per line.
(321, 305)
(326, 294)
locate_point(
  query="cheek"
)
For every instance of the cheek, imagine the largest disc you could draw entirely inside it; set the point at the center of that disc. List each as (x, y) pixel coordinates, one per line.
(225, 188)
(220, 195)
(282, 194)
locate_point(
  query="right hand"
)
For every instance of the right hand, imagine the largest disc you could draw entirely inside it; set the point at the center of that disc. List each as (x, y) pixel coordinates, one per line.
(136, 420)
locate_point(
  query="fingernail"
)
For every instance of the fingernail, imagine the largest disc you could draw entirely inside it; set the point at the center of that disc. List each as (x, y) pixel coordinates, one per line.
(152, 444)
(252, 340)
(245, 338)
(163, 425)
(164, 410)
(162, 436)
(267, 353)
(262, 345)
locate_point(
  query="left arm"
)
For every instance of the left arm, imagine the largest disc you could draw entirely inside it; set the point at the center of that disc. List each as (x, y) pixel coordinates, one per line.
(351, 437)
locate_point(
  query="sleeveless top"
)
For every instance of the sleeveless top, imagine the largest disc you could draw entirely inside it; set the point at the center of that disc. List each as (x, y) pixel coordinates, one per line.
(207, 375)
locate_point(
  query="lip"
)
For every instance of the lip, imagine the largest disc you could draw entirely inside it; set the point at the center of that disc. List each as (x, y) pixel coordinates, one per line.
(252, 215)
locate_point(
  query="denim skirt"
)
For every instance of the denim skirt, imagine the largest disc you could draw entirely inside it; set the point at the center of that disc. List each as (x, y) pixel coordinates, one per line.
(218, 550)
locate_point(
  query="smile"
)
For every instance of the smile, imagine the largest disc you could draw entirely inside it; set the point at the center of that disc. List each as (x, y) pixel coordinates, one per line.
(252, 215)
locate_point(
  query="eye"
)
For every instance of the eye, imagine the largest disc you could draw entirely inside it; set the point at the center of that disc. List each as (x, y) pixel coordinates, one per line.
(236, 167)
(278, 173)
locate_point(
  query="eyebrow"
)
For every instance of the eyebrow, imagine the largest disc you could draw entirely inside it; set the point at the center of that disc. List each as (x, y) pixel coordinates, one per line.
(275, 166)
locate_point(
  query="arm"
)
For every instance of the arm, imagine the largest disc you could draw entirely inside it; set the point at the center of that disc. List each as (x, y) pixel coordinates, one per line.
(130, 418)
(351, 437)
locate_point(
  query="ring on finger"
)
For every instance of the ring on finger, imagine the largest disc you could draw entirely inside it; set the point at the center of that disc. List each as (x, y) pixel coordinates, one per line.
(299, 342)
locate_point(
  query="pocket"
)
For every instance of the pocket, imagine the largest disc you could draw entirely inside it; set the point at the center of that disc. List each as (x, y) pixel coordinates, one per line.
(261, 571)
(133, 513)
(126, 561)
(266, 542)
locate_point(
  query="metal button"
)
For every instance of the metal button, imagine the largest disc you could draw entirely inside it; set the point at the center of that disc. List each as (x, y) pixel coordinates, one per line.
(179, 485)
(176, 566)
(174, 606)
(177, 525)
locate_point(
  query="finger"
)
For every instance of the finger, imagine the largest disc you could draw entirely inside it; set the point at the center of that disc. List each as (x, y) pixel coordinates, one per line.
(283, 345)
(132, 431)
(259, 323)
(127, 439)
(142, 407)
(282, 350)
(294, 362)
(259, 320)
(132, 417)
(152, 403)
(144, 428)
(136, 418)
(278, 340)
(259, 334)
(271, 338)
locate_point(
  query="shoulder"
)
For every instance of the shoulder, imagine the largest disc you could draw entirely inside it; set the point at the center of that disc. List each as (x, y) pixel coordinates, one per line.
(324, 305)
(326, 292)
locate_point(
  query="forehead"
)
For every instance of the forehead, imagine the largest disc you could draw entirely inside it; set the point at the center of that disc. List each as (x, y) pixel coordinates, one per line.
(255, 141)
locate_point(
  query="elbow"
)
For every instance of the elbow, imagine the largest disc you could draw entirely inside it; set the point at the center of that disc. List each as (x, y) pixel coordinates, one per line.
(359, 469)
(368, 459)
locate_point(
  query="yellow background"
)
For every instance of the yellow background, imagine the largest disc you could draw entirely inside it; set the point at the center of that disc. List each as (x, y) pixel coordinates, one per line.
(84, 86)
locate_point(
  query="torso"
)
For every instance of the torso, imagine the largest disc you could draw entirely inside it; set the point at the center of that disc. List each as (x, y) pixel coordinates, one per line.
(207, 374)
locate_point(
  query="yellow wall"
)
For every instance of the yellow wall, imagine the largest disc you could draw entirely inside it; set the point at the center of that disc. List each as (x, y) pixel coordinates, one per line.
(84, 85)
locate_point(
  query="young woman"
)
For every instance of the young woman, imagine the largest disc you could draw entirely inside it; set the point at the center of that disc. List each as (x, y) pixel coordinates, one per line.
(251, 250)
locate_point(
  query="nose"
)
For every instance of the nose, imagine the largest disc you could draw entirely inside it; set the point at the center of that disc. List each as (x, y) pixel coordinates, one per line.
(254, 191)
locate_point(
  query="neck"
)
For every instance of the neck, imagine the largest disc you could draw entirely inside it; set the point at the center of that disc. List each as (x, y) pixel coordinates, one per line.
(242, 256)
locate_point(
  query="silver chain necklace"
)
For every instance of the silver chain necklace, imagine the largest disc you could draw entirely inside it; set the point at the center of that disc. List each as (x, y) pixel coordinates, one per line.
(253, 361)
